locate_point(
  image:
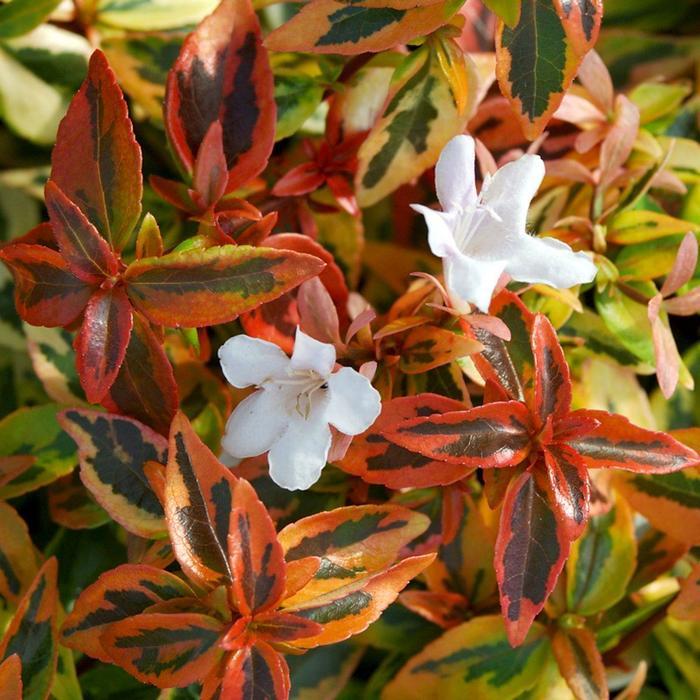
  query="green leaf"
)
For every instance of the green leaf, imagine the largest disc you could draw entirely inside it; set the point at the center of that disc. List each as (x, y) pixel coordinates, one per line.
(21, 16)
(507, 10)
(144, 15)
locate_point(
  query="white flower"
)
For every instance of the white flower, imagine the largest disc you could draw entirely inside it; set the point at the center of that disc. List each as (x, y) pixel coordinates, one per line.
(297, 401)
(479, 237)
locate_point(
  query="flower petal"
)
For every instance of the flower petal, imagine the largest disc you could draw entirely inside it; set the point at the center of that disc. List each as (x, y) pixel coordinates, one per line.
(255, 423)
(297, 458)
(309, 353)
(440, 230)
(549, 261)
(472, 280)
(454, 174)
(248, 361)
(354, 403)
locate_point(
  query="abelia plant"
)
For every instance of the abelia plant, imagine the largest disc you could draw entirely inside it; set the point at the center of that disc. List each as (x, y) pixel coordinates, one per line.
(349, 350)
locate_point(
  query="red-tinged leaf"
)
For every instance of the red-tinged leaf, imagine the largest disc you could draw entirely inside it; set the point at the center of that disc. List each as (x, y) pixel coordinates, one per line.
(581, 20)
(11, 678)
(149, 242)
(332, 26)
(167, 650)
(176, 193)
(88, 255)
(32, 634)
(617, 443)
(496, 483)
(223, 73)
(208, 287)
(210, 171)
(255, 556)
(619, 140)
(199, 496)
(573, 426)
(494, 435)
(113, 452)
(145, 387)
(318, 316)
(580, 663)
(117, 595)
(300, 180)
(531, 550)
(686, 605)
(100, 346)
(443, 609)
(657, 553)
(12, 466)
(299, 573)
(685, 305)
(47, 293)
(256, 673)
(667, 359)
(552, 379)
(378, 461)
(570, 488)
(427, 347)
(71, 505)
(352, 608)
(683, 267)
(18, 563)
(96, 160)
(282, 627)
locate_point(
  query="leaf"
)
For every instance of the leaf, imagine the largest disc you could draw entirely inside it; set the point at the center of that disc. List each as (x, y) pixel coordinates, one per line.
(322, 669)
(47, 293)
(255, 556)
(102, 342)
(199, 495)
(35, 431)
(671, 502)
(473, 660)
(167, 650)
(531, 550)
(96, 160)
(507, 10)
(427, 347)
(552, 379)
(493, 435)
(602, 561)
(419, 119)
(538, 57)
(223, 72)
(350, 609)
(32, 634)
(113, 451)
(686, 605)
(378, 461)
(18, 565)
(202, 288)
(145, 387)
(334, 26)
(117, 595)
(135, 15)
(657, 553)
(616, 443)
(580, 663)
(635, 226)
(619, 140)
(256, 673)
(72, 506)
(11, 678)
(86, 252)
(21, 16)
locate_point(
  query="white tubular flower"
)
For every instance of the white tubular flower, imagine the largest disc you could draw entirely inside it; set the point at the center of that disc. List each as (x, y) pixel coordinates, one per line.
(297, 401)
(481, 236)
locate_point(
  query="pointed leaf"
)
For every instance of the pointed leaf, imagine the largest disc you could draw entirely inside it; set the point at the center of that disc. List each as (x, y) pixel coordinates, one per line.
(530, 552)
(167, 650)
(552, 379)
(117, 595)
(113, 451)
(145, 387)
(96, 160)
(618, 444)
(223, 72)
(580, 663)
(332, 26)
(473, 660)
(256, 557)
(210, 171)
(11, 678)
(101, 344)
(202, 288)
(494, 435)
(256, 673)
(377, 461)
(199, 495)
(281, 627)
(47, 293)
(602, 561)
(18, 565)
(32, 634)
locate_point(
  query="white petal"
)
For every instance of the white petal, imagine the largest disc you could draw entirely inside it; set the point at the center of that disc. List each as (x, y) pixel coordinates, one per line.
(250, 361)
(354, 403)
(255, 424)
(454, 174)
(440, 230)
(472, 280)
(549, 261)
(309, 353)
(297, 458)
